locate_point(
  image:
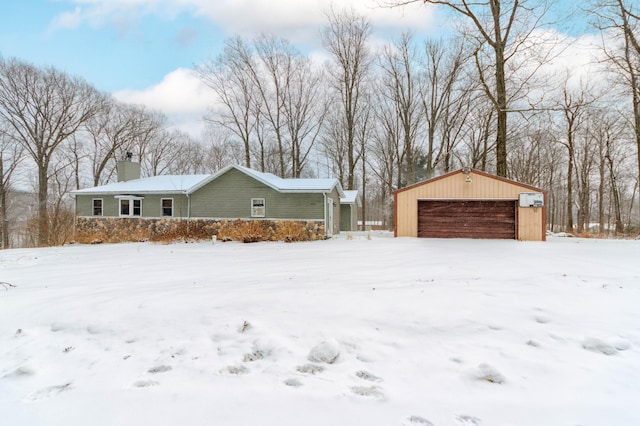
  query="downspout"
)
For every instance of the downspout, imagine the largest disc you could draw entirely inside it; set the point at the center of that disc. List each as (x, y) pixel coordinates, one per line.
(188, 212)
(324, 212)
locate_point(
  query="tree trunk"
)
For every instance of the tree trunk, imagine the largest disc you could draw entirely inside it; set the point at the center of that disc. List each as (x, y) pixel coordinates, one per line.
(43, 194)
(3, 206)
(501, 99)
(569, 212)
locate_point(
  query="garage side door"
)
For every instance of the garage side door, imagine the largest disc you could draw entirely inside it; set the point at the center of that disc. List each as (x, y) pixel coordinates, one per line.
(467, 219)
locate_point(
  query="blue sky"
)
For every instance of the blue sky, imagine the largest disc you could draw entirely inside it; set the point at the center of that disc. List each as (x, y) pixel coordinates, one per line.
(133, 44)
(126, 50)
(143, 51)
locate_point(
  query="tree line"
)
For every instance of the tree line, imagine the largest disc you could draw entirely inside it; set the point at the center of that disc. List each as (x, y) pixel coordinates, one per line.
(486, 97)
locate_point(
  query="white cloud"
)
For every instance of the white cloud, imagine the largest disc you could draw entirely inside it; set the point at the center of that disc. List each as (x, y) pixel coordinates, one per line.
(67, 20)
(301, 21)
(297, 20)
(180, 95)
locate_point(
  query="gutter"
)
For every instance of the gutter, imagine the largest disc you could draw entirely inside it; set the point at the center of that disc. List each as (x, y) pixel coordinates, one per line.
(324, 212)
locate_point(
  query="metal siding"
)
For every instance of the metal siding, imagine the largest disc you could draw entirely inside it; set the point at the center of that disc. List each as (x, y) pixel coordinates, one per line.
(455, 187)
(530, 226)
(494, 219)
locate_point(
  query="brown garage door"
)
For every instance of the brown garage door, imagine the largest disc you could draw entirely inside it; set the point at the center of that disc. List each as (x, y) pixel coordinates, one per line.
(467, 219)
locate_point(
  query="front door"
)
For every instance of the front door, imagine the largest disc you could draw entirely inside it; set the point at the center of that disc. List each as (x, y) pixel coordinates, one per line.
(328, 229)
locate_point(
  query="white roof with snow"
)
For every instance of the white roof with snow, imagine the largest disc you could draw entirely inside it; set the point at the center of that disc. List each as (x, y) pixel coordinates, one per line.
(292, 184)
(167, 184)
(350, 197)
(187, 184)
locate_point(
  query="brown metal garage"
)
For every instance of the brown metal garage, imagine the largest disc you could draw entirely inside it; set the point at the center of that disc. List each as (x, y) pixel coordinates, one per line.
(470, 204)
(467, 219)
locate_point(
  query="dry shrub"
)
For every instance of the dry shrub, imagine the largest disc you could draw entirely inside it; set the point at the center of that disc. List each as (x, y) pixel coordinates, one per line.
(241, 230)
(115, 230)
(227, 231)
(291, 231)
(251, 232)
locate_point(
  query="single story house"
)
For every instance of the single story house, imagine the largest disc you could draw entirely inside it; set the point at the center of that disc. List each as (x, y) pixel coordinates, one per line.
(469, 203)
(234, 193)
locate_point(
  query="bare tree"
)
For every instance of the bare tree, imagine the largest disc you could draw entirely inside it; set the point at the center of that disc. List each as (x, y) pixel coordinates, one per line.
(275, 56)
(442, 98)
(289, 107)
(43, 108)
(11, 154)
(401, 84)
(236, 92)
(305, 111)
(149, 142)
(574, 107)
(504, 26)
(622, 18)
(473, 121)
(333, 146)
(606, 135)
(220, 150)
(345, 37)
(115, 128)
(189, 155)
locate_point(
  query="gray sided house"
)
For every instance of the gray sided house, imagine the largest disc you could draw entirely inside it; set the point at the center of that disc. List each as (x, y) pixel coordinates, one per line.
(349, 205)
(234, 193)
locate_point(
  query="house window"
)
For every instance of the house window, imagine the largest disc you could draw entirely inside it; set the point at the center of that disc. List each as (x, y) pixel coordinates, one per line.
(125, 207)
(167, 206)
(258, 208)
(97, 206)
(130, 206)
(137, 208)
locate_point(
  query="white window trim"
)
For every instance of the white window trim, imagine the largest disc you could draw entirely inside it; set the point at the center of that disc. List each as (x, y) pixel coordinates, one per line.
(255, 210)
(131, 199)
(93, 207)
(162, 207)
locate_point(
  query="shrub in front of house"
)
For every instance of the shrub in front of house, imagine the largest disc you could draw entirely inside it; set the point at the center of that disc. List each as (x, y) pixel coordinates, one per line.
(116, 230)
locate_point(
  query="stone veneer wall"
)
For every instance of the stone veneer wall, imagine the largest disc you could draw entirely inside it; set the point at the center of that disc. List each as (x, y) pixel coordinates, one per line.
(115, 229)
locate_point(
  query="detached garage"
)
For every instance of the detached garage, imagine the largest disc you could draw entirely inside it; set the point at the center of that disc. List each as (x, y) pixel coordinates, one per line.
(469, 203)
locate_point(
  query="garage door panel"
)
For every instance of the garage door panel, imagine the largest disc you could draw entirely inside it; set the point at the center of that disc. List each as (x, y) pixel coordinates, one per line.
(467, 219)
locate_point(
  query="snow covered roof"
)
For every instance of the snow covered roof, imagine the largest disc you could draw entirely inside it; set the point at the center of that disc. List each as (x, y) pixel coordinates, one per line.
(280, 184)
(350, 197)
(167, 184)
(187, 184)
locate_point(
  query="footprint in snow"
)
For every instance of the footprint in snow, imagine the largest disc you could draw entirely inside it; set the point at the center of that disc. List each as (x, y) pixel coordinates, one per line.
(541, 319)
(294, 383)
(253, 356)
(160, 369)
(417, 420)
(145, 383)
(621, 344)
(48, 392)
(365, 375)
(368, 391)
(597, 345)
(465, 420)
(490, 374)
(237, 369)
(310, 369)
(23, 371)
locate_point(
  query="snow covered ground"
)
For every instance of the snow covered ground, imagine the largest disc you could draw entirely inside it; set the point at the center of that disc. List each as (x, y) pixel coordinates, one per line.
(378, 331)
